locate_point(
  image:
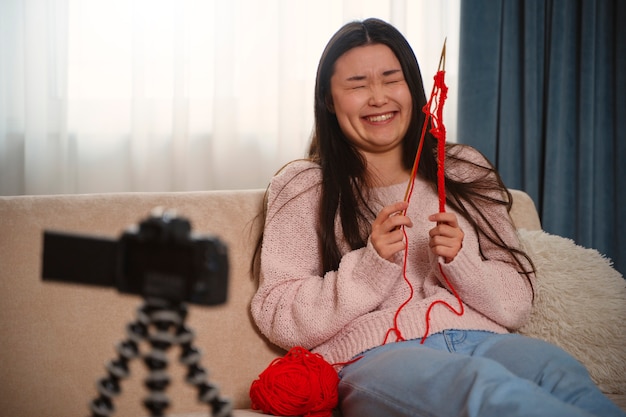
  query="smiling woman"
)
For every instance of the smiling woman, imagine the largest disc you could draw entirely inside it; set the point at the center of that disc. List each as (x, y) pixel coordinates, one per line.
(350, 270)
(165, 95)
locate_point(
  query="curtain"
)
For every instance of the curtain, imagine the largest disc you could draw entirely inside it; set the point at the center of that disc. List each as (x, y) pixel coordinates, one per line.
(542, 93)
(176, 95)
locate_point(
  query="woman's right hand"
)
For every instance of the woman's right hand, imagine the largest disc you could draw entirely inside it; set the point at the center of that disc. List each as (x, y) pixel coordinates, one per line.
(387, 236)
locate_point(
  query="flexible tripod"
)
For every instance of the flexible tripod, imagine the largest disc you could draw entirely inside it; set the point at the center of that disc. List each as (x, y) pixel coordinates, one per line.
(162, 324)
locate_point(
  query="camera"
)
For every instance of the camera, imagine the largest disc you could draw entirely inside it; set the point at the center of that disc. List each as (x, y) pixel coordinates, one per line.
(159, 258)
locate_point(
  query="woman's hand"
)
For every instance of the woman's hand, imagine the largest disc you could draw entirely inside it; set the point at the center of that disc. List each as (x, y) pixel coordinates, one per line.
(446, 238)
(387, 236)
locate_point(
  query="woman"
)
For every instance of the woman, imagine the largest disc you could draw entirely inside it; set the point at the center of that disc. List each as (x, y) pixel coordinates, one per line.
(337, 277)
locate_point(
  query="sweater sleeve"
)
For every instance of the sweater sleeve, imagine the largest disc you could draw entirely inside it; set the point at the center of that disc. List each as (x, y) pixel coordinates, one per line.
(484, 275)
(295, 304)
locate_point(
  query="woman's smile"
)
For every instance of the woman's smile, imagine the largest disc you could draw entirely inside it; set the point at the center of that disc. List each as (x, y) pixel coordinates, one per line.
(380, 118)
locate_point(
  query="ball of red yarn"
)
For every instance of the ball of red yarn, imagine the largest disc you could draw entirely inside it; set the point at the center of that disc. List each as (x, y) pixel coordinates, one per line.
(299, 384)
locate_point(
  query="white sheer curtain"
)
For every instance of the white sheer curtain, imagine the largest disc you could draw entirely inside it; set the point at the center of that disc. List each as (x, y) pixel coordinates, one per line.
(175, 95)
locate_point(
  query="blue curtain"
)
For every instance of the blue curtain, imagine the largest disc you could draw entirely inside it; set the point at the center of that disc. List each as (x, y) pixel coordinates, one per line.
(542, 93)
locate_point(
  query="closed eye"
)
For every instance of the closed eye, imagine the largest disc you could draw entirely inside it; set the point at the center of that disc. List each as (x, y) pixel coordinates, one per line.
(393, 76)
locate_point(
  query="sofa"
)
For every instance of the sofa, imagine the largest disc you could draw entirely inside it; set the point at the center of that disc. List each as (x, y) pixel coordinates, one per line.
(57, 337)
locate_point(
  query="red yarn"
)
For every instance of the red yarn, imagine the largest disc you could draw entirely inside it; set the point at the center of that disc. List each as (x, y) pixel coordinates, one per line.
(299, 384)
(438, 130)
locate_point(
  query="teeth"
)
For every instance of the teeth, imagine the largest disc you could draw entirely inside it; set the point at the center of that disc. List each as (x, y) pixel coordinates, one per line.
(380, 118)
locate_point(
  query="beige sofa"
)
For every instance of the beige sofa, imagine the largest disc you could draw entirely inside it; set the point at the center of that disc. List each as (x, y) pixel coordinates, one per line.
(56, 338)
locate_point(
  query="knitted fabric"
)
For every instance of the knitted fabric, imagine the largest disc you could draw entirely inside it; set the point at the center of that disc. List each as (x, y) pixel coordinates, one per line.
(348, 311)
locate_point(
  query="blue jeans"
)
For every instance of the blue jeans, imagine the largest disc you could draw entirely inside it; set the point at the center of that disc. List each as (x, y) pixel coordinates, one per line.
(470, 373)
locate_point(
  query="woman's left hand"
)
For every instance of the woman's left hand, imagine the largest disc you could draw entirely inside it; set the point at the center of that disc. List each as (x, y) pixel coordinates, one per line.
(446, 238)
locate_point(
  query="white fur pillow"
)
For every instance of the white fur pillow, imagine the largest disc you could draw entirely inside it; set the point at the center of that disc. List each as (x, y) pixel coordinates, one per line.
(580, 305)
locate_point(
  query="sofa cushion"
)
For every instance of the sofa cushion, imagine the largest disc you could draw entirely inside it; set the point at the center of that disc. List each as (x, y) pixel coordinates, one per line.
(580, 305)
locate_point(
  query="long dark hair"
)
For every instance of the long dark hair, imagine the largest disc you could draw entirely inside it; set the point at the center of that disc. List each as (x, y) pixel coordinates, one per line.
(344, 169)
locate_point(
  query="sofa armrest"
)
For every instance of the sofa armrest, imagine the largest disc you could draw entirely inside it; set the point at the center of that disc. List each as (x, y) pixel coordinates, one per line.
(523, 212)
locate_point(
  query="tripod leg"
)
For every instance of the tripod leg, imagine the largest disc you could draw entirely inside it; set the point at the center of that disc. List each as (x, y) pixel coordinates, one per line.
(165, 318)
(109, 386)
(196, 375)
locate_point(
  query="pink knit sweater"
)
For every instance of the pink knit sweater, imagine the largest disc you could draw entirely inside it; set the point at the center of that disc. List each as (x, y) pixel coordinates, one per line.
(348, 311)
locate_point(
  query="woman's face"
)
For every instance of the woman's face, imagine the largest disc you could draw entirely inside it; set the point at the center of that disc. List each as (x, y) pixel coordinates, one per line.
(371, 98)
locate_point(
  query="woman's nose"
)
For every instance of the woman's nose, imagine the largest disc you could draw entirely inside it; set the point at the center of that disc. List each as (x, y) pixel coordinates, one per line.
(378, 96)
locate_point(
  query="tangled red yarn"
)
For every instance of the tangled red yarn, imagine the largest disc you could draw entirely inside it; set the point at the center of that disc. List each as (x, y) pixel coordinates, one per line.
(299, 384)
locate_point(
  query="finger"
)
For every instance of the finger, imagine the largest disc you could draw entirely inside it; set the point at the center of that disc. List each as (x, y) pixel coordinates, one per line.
(388, 244)
(447, 247)
(396, 221)
(391, 217)
(445, 230)
(444, 241)
(392, 209)
(445, 217)
(446, 253)
(380, 236)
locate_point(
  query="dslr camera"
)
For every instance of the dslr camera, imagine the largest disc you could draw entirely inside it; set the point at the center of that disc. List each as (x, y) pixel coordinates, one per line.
(159, 259)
